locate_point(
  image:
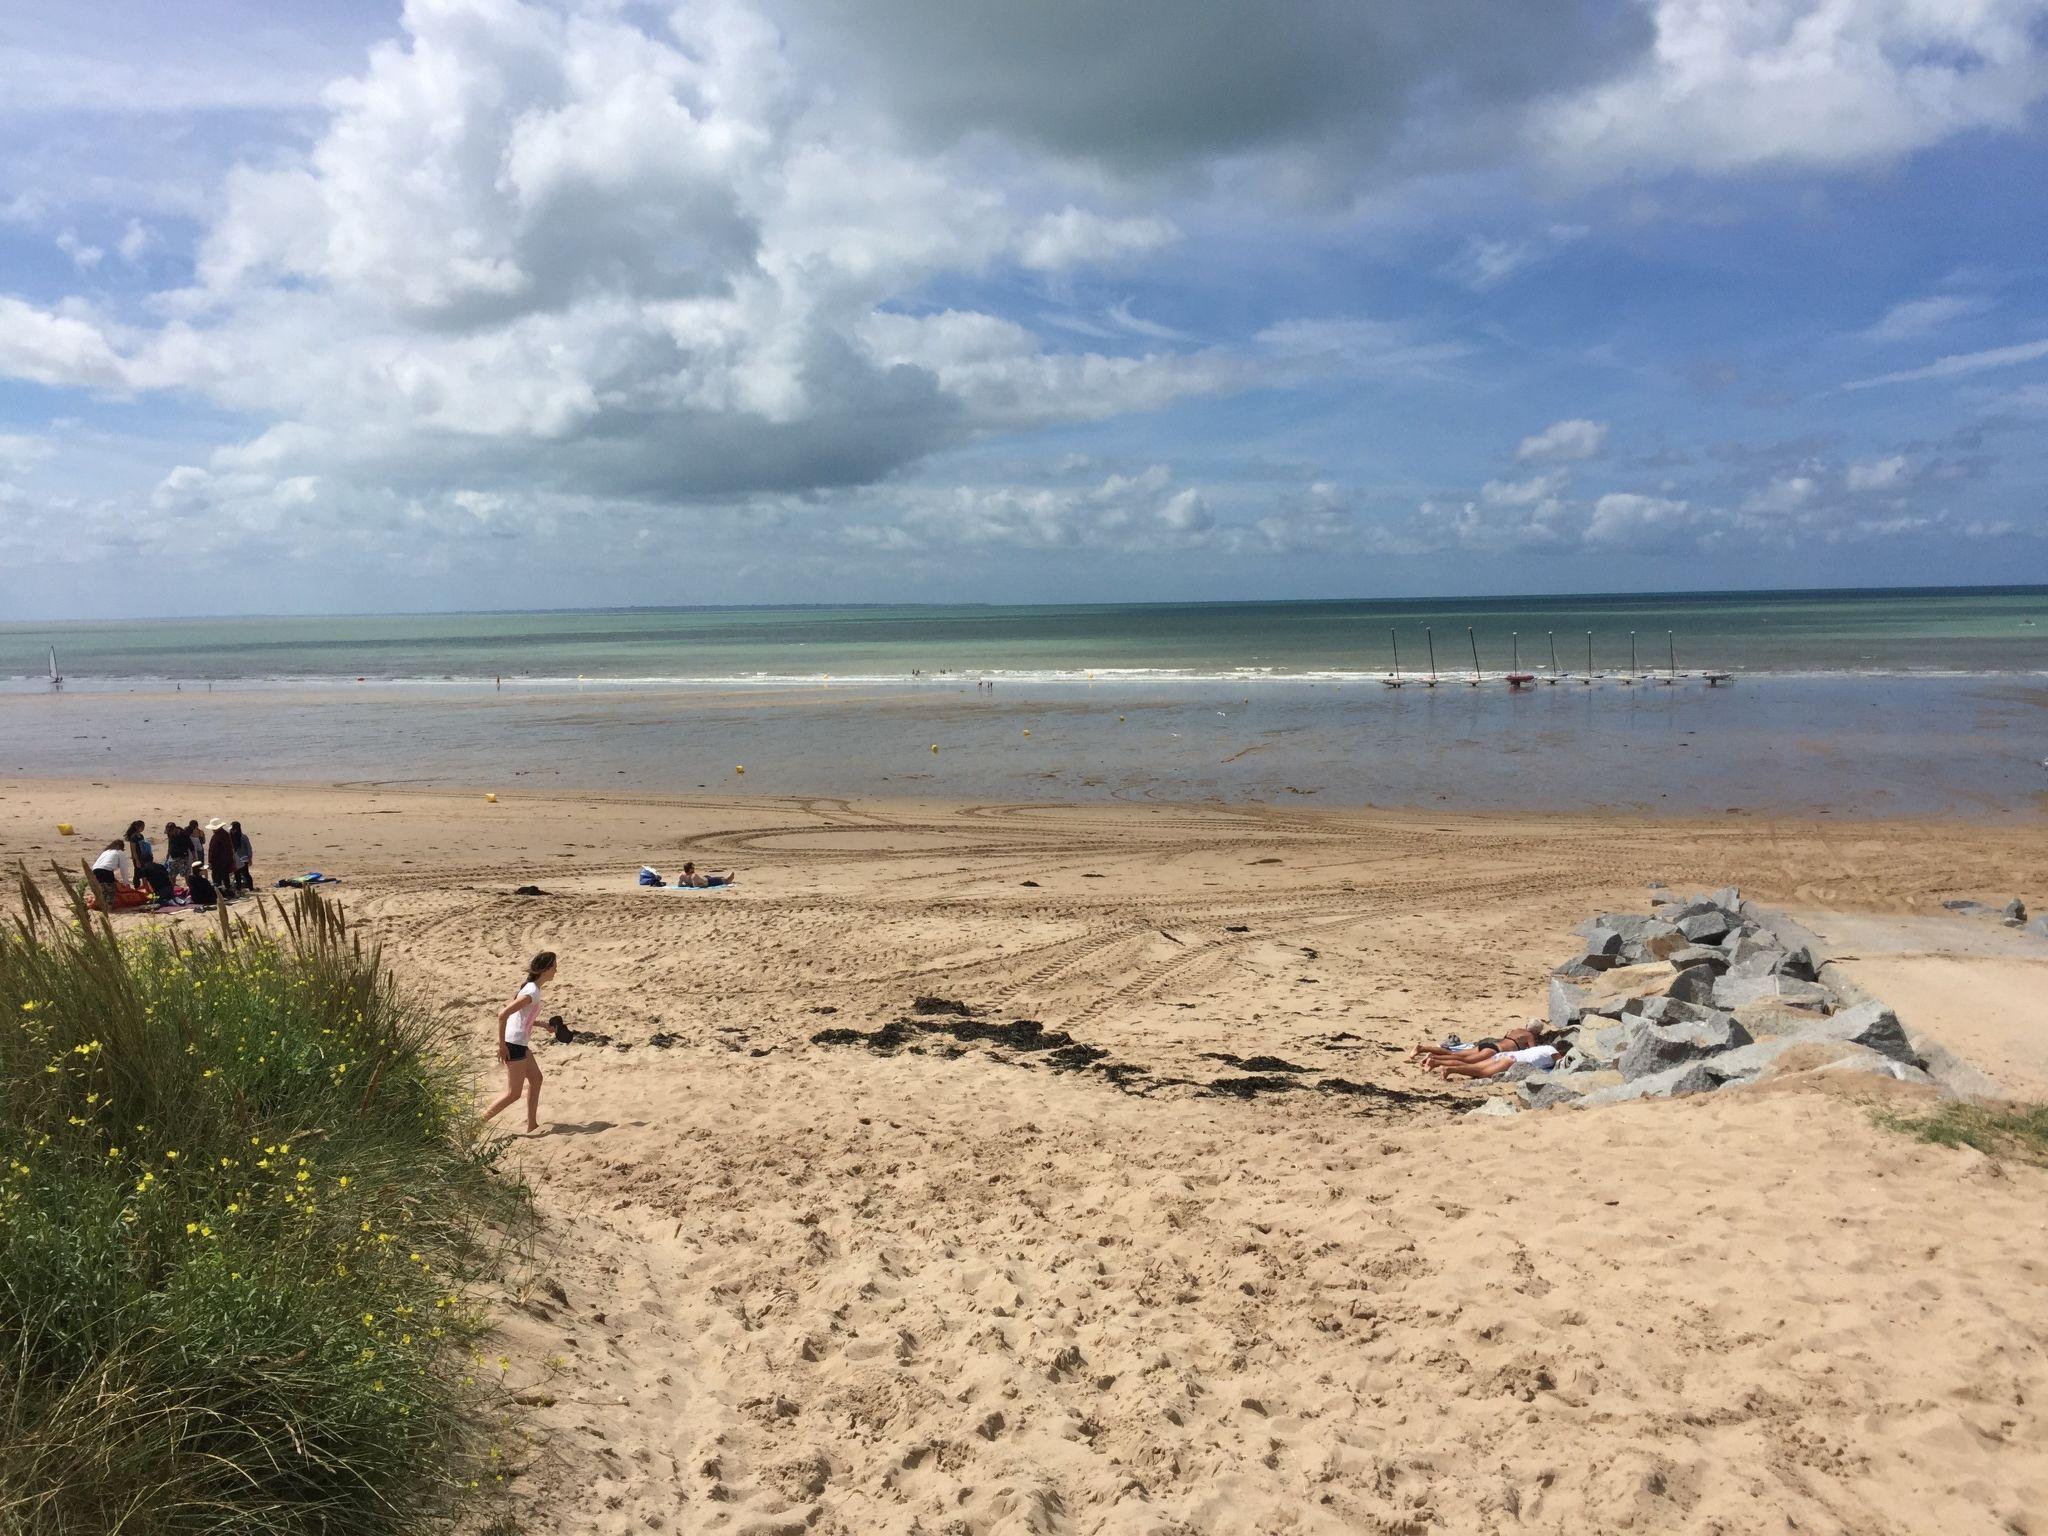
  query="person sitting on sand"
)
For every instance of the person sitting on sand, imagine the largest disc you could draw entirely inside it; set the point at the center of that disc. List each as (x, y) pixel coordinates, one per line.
(515, 1034)
(1478, 1050)
(690, 876)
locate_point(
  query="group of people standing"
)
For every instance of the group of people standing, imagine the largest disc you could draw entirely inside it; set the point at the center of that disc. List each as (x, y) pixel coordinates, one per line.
(213, 863)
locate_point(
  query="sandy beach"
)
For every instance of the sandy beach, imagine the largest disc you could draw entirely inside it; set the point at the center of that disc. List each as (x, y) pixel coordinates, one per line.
(788, 1286)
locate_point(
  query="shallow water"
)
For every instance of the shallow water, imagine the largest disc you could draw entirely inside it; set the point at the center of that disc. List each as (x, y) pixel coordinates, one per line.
(1844, 745)
(1952, 630)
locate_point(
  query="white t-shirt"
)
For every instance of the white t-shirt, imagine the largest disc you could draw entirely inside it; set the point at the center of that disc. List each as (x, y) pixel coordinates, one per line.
(1533, 1054)
(520, 1025)
(115, 862)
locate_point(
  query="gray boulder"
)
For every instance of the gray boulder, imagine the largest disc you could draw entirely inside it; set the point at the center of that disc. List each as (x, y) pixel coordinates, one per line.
(1705, 927)
(2015, 913)
(1732, 991)
(1658, 941)
(1769, 1017)
(1700, 954)
(1728, 899)
(1597, 1046)
(1871, 1025)
(1547, 1088)
(1655, 1048)
(1603, 949)
(1692, 1077)
(1814, 1053)
(1567, 1004)
(1670, 1010)
(1695, 984)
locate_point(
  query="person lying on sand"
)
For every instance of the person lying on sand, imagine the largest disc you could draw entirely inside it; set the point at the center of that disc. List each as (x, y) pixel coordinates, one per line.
(1477, 1050)
(690, 876)
(1536, 1058)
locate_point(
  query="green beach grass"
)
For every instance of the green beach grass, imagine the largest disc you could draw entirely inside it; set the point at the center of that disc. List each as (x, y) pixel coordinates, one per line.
(2016, 1131)
(244, 1208)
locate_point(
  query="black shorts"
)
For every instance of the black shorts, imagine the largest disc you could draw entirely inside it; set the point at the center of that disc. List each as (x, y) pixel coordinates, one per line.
(515, 1052)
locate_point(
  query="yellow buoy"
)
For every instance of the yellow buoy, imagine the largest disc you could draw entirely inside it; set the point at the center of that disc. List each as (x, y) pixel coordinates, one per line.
(935, 746)
(490, 799)
(1119, 719)
(1027, 733)
(64, 829)
(742, 768)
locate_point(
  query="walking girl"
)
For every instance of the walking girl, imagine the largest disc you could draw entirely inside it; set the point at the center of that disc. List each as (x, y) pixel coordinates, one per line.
(515, 1035)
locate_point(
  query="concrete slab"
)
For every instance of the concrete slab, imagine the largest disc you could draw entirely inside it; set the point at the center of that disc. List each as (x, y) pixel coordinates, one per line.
(1971, 985)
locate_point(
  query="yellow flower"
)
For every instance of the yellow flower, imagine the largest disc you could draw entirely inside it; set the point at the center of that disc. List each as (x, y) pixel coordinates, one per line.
(369, 1318)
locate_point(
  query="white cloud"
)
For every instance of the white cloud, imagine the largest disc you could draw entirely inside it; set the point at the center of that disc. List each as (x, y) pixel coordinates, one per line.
(1876, 474)
(135, 240)
(1574, 439)
(83, 256)
(46, 348)
(1957, 365)
(1483, 263)
(536, 246)
(1799, 84)
(1627, 517)
(1785, 493)
(20, 452)
(1523, 493)
(1075, 236)
(1915, 318)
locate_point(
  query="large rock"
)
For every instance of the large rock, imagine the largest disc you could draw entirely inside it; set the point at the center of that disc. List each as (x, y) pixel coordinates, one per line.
(1677, 1082)
(1597, 1046)
(1544, 1089)
(1705, 927)
(1609, 992)
(1728, 899)
(1700, 954)
(1733, 991)
(1654, 1048)
(1871, 1025)
(1494, 1107)
(2015, 913)
(1671, 1010)
(1660, 941)
(1567, 1003)
(1790, 1053)
(1768, 1016)
(1603, 949)
(1694, 985)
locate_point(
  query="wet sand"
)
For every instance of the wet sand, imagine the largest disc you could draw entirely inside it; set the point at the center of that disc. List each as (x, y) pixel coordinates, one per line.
(969, 1285)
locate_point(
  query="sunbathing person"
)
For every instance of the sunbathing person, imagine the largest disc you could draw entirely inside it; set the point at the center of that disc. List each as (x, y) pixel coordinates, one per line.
(1536, 1058)
(1476, 1050)
(690, 876)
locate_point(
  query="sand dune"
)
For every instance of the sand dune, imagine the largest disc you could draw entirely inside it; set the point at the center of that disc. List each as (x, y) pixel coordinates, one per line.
(971, 1287)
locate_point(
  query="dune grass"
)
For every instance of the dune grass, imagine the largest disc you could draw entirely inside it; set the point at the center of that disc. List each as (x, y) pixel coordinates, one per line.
(244, 1202)
(2018, 1132)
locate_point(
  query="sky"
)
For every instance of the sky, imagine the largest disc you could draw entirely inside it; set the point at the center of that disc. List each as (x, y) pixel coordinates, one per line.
(490, 304)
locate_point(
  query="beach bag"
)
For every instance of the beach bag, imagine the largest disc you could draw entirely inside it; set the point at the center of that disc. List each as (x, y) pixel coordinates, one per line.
(649, 877)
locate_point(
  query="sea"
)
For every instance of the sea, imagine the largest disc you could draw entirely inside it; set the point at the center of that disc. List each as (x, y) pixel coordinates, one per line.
(1848, 703)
